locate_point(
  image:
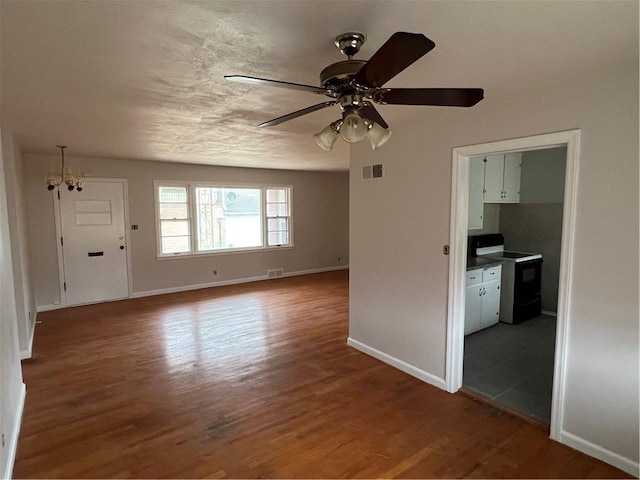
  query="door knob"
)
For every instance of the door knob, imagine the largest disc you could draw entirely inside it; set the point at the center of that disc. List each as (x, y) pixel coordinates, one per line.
(121, 247)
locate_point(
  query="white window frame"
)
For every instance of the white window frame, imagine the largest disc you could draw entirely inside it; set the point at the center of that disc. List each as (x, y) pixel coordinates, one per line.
(289, 215)
(193, 218)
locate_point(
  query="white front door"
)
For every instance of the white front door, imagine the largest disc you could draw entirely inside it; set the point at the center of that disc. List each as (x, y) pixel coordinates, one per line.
(94, 245)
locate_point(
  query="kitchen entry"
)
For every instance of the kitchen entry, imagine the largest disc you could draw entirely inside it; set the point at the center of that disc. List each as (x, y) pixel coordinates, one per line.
(515, 238)
(492, 214)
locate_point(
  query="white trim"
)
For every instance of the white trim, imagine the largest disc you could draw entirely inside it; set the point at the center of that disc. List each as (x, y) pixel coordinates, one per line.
(60, 251)
(192, 220)
(235, 281)
(457, 268)
(549, 312)
(623, 463)
(397, 363)
(458, 243)
(49, 307)
(199, 286)
(12, 448)
(215, 253)
(565, 283)
(28, 353)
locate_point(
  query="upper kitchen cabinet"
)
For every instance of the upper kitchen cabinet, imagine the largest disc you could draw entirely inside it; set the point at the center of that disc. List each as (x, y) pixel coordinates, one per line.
(502, 178)
(476, 189)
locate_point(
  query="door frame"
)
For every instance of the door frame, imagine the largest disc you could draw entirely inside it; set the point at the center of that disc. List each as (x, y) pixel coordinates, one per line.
(457, 264)
(60, 250)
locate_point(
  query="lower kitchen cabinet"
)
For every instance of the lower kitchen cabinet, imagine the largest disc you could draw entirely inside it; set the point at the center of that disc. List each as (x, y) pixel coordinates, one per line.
(482, 298)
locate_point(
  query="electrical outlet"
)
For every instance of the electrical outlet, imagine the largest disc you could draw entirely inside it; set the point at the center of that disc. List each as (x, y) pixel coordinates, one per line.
(338, 258)
(215, 272)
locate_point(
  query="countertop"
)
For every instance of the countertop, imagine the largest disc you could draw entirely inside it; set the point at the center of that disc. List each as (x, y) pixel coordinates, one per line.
(478, 262)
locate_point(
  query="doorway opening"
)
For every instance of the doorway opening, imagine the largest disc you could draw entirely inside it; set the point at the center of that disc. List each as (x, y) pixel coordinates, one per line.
(511, 306)
(569, 140)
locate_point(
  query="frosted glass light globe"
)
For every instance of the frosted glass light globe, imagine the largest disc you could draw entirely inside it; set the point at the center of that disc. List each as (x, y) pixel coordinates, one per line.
(353, 128)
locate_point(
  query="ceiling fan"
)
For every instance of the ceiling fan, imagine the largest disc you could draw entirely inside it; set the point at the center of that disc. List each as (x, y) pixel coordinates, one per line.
(357, 84)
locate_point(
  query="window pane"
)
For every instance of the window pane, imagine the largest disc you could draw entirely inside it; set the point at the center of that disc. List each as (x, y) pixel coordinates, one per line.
(276, 195)
(243, 231)
(174, 229)
(172, 194)
(175, 245)
(228, 218)
(278, 238)
(277, 210)
(173, 210)
(278, 224)
(241, 200)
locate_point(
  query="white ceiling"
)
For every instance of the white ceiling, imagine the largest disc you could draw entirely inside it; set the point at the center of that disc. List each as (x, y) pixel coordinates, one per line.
(144, 79)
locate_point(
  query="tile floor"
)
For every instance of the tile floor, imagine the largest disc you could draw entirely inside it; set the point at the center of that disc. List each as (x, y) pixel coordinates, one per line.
(513, 365)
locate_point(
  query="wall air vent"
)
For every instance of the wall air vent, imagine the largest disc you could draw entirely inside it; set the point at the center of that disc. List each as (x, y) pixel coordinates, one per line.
(372, 171)
(277, 272)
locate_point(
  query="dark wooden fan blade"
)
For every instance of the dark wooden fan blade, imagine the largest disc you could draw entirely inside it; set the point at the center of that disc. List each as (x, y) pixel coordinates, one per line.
(299, 113)
(276, 83)
(400, 51)
(442, 97)
(369, 111)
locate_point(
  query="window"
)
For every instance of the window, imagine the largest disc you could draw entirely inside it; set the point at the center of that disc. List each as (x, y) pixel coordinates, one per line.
(173, 213)
(201, 219)
(277, 216)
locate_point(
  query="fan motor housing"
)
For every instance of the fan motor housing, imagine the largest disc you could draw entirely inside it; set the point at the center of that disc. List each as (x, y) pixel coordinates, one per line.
(340, 72)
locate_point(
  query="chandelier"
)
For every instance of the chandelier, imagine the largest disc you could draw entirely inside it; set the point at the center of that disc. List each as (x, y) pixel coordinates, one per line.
(66, 177)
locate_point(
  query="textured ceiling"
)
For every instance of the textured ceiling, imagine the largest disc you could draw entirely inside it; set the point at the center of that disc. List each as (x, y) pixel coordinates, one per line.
(144, 79)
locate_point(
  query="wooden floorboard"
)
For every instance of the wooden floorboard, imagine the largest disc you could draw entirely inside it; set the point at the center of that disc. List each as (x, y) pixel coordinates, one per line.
(254, 381)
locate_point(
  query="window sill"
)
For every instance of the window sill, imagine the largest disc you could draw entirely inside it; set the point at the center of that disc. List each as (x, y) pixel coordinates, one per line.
(223, 252)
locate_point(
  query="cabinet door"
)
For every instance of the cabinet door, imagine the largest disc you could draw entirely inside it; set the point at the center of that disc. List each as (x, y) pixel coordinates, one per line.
(490, 310)
(472, 309)
(476, 186)
(512, 168)
(493, 178)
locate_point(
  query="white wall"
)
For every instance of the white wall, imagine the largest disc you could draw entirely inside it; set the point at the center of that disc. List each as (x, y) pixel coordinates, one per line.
(11, 386)
(398, 274)
(21, 259)
(320, 219)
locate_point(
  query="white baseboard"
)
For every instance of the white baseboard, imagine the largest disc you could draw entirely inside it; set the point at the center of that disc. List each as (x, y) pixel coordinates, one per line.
(601, 453)
(235, 281)
(397, 363)
(25, 354)
(46, 308)
(548, 312)
(12, 448)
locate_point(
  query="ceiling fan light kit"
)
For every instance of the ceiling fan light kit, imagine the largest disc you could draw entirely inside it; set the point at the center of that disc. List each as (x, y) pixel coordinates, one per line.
(328, 136)
(356, 84)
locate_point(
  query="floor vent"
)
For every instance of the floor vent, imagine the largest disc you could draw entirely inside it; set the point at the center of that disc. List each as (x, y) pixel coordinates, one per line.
(278, 272)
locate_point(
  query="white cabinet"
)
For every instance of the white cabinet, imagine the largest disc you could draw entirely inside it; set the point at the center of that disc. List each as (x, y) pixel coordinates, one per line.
(502, 178)
(473, 302)
(482, 298)
(476, 188)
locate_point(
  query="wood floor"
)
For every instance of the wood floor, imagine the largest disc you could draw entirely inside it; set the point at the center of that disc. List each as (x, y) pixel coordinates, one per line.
(253, 381)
